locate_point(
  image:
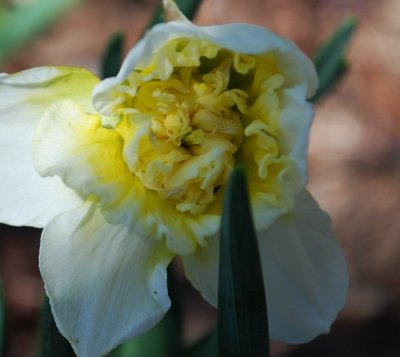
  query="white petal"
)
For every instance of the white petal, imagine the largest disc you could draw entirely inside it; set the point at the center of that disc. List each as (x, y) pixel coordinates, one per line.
(296, 119)
(243, 38)
(72, 145)
(105, 284)
(25, 197)
(304, 271)
(201, 268)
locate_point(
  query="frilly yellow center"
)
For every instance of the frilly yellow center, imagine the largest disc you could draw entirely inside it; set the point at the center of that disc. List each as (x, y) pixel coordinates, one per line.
(192, 113)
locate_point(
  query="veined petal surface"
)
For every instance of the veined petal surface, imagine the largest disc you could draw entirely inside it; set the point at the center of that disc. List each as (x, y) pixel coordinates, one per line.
(305, 273)
(105, 284)
(25, 197)
(73, 145)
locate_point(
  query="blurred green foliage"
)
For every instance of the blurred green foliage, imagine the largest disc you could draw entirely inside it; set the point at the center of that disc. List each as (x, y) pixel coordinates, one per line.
(21, 20)
(330, 61)
(112, 58)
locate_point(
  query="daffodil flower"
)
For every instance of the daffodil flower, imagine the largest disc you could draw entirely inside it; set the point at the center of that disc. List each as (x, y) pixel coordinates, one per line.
(125, 179)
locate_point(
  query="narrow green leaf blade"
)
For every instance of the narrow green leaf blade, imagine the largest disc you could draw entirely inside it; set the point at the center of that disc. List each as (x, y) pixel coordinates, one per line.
(242, 309)
(326, 86)
(2, 323)
(330, 60)
(188, 8)
(112, 58)
(52, 342)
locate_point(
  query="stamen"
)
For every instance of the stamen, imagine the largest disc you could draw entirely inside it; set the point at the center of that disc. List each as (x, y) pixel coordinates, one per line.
(194, 138)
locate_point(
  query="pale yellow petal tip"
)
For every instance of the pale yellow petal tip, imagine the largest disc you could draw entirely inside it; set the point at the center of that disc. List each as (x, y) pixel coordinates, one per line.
(172, 12)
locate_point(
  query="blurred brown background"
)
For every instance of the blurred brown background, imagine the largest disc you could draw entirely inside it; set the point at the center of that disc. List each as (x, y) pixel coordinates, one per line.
(354, 159)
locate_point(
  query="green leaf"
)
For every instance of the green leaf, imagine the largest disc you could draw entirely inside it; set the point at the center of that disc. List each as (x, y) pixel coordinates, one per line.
(52, 342)
(329, 60)
(164, 340)
(2, 323)
(22, 21)
(242, 309)
(112, 58)
(188, 8)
